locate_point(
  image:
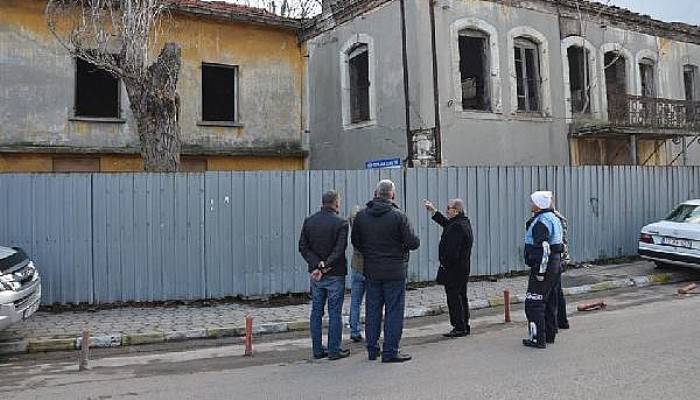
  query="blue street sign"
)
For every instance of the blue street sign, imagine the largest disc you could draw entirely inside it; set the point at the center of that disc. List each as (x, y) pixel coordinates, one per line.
(387, 163)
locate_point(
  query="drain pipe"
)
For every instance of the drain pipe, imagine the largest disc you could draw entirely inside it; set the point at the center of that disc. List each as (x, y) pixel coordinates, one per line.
(407, 102)
(436, 88)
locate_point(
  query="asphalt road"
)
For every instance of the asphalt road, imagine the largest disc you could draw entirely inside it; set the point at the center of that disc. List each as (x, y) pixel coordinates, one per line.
(645, 346)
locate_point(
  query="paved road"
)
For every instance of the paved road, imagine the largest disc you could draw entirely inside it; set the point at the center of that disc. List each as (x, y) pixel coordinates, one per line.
(646, 346)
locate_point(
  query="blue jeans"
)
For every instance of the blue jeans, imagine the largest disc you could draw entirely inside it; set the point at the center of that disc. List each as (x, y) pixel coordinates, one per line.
(390, 296)
(332, 290)
(357, 293)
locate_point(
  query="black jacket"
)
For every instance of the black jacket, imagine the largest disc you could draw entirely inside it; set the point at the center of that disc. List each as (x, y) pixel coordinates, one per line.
(455, 249)
(324, 237)
(382, 233)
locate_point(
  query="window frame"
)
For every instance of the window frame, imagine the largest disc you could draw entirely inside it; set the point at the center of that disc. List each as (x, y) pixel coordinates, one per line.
(236, 95)
(521, 45)
(356, 51)
(591, 52)
(493, 73)
(352, 44)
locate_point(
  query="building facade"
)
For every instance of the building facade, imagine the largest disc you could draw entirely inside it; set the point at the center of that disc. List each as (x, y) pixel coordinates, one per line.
(241, 91)
(485, 82)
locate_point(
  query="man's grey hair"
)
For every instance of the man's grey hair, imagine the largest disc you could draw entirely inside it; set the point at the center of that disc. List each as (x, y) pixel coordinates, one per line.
(329, 198)
(457, 205)
(385, 189)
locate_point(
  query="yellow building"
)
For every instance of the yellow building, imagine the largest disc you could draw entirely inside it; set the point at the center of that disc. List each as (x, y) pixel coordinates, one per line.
(241, 90)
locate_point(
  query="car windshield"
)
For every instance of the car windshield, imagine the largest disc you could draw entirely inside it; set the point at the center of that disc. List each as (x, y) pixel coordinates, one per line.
(685, 213)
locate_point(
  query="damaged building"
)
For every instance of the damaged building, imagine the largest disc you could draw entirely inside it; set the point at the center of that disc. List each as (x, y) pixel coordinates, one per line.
(431, 82)
(500, 82)
(241, 95)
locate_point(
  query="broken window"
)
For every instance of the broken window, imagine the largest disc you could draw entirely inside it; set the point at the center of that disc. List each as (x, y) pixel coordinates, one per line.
(219, 92)
(646, 74)
(473, 68)
(616, 84)
(358, 60)
(690, 73)
(527, 71)
(96, 91)
(579, 79)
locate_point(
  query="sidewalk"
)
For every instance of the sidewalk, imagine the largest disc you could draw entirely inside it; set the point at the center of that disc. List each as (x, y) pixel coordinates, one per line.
(131, 326)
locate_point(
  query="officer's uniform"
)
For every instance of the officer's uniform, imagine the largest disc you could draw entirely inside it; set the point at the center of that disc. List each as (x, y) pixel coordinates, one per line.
(544, 245)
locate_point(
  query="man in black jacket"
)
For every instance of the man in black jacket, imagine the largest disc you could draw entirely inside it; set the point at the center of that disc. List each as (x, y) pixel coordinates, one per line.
(384, 237)
(323, 240)
(455, 253)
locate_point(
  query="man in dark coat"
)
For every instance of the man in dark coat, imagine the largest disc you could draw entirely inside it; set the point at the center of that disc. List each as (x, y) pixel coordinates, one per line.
(384, 237)
(323, 240)
(455, 253)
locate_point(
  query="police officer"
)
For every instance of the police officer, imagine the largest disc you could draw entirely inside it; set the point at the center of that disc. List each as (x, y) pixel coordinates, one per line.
(544, 245)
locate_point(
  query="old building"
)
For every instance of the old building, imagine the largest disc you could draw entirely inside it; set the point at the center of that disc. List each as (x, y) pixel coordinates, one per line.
(500, 82)
(241, 89)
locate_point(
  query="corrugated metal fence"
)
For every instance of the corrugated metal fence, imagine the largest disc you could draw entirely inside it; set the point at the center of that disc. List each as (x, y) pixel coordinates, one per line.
(101, 238)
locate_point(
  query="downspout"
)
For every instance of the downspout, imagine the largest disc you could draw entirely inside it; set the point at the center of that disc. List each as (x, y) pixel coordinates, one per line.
(436, 89)
(407, 103)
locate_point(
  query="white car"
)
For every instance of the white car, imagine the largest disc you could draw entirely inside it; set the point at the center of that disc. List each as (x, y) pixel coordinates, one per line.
(675, 239)
(20, 286)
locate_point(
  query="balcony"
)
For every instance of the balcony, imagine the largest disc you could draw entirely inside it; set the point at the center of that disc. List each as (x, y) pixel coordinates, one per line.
(662, 117)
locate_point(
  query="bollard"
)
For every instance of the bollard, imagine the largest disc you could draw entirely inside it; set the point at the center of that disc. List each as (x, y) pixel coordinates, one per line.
(84, 351)
(248, 336)
(687, 288)
(592, 305)
(506, 305)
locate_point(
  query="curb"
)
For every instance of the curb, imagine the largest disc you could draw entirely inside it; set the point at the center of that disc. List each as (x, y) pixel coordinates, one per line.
(35, 345)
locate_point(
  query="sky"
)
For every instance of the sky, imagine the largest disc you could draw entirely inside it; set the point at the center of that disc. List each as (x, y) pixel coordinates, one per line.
(687, 11)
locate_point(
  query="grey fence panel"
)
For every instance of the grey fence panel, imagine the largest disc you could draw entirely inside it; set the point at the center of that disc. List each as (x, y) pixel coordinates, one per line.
(147, 237)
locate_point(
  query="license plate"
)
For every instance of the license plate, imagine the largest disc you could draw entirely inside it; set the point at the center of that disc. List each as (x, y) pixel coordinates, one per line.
(678, 242)
(31, 310)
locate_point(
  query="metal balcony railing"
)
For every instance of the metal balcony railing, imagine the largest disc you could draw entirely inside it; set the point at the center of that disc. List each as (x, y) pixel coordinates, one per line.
(654, 113)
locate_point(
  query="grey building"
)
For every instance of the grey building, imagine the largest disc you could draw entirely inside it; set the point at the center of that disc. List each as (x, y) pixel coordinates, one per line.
(486, 82)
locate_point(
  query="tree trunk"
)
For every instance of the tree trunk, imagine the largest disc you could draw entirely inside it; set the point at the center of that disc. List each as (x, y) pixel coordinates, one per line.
(155, 105)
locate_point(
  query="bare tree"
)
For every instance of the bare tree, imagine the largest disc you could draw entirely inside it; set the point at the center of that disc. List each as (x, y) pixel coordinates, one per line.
(117, 35)
(302, 9)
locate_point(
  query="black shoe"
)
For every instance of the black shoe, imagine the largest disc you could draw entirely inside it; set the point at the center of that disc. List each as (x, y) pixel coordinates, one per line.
(341, 354)
(320, 356)
(357, 339)
(533, 343)
(564, 326)
(399, 358)
(550, 341)
(455, 333)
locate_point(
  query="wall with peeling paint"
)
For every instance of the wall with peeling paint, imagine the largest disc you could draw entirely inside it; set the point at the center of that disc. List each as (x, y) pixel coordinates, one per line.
(332, 146)
(503, 137)
(37, 89)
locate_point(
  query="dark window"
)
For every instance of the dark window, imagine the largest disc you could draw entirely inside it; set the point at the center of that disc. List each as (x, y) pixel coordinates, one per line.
(219, 93)
(690, 82)
(646, 72)
(527, 72)
(96, 91)
(358, 60)
(473, 67)
(616, 85)
(579, 79)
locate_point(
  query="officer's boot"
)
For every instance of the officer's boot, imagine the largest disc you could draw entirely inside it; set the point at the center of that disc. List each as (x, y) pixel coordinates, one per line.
(534, 339)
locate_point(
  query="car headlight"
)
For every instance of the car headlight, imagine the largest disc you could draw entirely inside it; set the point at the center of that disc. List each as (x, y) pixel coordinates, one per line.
(8, 283)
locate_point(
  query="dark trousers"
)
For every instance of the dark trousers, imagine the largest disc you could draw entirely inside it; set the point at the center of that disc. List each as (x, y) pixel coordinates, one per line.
(391, 297)
(458, 305)
(562, 318)
(541, 302)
